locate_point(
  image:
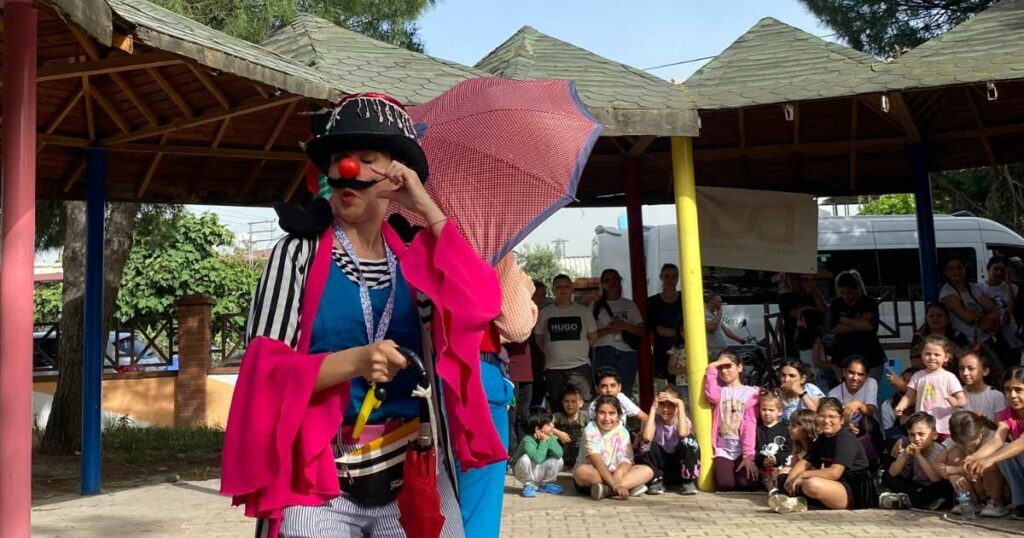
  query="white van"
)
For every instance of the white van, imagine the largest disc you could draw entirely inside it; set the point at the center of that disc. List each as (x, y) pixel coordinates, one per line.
(883, 248)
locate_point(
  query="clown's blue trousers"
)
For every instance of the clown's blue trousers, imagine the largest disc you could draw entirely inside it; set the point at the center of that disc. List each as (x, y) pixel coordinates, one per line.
(481, 490)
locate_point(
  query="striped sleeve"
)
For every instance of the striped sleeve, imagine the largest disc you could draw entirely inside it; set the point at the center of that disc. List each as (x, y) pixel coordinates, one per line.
(278, 300)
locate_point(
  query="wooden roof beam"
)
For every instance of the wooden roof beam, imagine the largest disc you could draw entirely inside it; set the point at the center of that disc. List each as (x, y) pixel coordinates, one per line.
(151, 169)
(901, 111)
(171, 92)
(286, 114)
(640, 145)
(874, 104)
(106, 66)
(93, 53)
(204, 151)
(111, 112)
(252, 105)
(297, 179)
(90, 119)
(62, 113)
(853, 149)
(208, 83)
(985, 144)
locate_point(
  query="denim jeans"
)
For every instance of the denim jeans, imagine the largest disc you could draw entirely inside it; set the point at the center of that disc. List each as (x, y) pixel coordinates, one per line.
(623, 362)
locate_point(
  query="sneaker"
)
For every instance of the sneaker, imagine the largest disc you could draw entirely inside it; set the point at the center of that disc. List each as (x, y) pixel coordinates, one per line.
(789, 505)
(773, 499)
(638, 491)
(994, 509)
(529, 491)
(656, 488)
(689, 488)
(599, 491)
(552, 488)
(1018, 513)
(894, 501)
(957, 510)
(934, 505)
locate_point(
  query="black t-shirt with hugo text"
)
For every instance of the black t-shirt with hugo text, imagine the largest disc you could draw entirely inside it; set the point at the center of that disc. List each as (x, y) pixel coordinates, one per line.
(843, 448)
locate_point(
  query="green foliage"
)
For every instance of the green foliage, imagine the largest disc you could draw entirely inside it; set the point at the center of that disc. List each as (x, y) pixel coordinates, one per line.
(127, 444)
(48, 301)
(181, 255)
(391, 21)
(885, 27)
(541, 263)
(890, 204)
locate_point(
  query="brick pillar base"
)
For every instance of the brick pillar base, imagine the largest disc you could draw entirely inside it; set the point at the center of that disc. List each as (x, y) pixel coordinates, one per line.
(195, 318)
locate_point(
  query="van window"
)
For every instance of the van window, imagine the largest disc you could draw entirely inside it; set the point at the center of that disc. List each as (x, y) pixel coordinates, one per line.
(898, 268)
(1015, 258)
(740, 286)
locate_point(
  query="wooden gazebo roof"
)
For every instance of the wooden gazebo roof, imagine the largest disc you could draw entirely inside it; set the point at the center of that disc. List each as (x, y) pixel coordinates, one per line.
(188, 114)
(784, 110)
(341, 54)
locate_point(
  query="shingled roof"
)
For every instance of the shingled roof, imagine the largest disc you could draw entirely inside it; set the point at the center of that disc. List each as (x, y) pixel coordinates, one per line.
(627, 100)
(366, 63)
(170, 32)
(988, 47)
(774, 62)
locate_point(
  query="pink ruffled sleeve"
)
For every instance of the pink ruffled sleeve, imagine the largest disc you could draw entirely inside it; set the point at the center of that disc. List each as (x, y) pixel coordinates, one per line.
(466, 297)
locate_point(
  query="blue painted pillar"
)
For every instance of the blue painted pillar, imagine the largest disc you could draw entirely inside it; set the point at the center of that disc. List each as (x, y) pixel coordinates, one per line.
(94, 341)
(918, 156)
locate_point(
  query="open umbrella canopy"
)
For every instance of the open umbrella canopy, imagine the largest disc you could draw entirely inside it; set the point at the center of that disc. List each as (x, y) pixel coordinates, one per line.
(504, 155)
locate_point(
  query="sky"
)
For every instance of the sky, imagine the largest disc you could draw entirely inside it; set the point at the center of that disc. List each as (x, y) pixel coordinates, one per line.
(640, 33)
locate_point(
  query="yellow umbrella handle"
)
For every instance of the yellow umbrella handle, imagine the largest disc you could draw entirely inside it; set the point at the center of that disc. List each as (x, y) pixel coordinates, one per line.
(370, 402)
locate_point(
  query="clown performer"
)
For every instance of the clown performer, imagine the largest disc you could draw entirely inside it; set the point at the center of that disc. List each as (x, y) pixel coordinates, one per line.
(323, 409)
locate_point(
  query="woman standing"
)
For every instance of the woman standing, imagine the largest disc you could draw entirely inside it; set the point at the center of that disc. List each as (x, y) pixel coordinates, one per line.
(854, 320)
(997, 285)
(620, 330)
(336, 301)
(664, 314)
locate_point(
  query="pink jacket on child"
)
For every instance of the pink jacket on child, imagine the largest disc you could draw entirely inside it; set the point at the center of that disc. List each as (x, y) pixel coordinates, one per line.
(748, 428)
(277, 446)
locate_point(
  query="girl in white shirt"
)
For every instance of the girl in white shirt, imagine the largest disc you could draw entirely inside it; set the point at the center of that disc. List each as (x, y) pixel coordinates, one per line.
(977, 368)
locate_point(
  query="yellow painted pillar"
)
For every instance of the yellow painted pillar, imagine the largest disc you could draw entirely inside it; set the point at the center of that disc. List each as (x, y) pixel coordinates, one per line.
(692, 282)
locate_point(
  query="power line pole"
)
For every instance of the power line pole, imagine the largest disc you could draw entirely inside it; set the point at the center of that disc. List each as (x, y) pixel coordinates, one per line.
(259, 235)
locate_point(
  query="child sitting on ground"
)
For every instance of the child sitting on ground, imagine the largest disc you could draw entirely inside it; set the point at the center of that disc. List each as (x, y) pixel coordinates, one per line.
(569, 422)
(668, 445)
(609, 383)
(772, 440)
(977, 369)
(538, 458)
(934, 390)
(968, 432)
(733, 424)
(835, 471)
(605, 465)
(913, 478)
(1010, 457)
(803, 430)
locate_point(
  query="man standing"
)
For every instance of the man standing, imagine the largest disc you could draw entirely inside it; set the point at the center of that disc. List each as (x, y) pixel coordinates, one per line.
(566, 330)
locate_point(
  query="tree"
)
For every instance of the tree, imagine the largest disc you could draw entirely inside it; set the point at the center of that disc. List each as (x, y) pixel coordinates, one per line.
(541, 263)
(890, 204)
(886, 27)
(391, 21)
(163, 268)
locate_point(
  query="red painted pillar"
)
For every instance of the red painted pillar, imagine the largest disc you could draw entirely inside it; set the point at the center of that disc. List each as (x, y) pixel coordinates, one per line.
(17, 254)
(638, 274)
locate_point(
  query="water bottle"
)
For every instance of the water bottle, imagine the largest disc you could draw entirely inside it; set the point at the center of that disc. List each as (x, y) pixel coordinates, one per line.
(968, 512)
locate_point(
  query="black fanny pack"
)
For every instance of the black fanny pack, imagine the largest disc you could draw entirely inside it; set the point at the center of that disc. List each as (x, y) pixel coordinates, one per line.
(373, 474)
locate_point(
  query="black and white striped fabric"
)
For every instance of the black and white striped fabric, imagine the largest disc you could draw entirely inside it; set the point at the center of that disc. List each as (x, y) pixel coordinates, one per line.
(375, 271)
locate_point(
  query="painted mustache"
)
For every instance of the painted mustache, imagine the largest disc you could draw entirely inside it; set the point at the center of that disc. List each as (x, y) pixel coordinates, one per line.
(353, 184)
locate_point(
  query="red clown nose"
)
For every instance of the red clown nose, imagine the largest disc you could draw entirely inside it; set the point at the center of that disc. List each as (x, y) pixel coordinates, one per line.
(349, 168)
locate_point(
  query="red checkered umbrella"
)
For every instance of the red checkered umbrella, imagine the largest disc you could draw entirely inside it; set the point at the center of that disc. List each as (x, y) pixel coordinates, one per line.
(504, 156)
